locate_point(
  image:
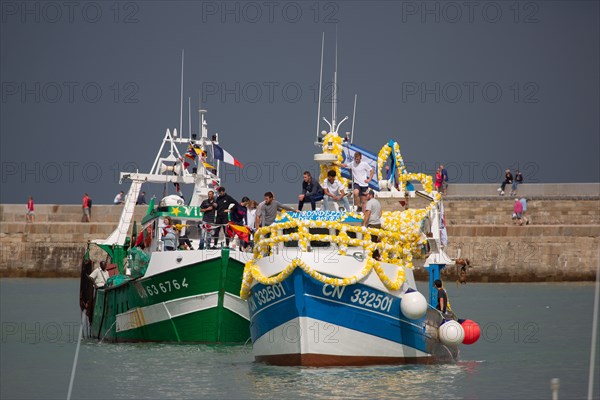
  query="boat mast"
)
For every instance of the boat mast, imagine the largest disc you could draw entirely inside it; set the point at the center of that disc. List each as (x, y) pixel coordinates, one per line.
(320, 87)
(353, 118)
(334, 96)
(181, 103)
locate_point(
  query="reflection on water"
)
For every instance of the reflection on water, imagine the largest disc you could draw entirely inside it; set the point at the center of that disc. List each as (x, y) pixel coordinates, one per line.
(409, 381)
(530, 335)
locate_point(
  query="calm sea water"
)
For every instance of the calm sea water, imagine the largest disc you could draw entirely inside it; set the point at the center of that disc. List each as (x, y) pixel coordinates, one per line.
(531, 333)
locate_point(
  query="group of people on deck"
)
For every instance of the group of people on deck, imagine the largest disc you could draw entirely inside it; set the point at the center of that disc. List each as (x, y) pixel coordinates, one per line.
(332, 191)
(235, 218)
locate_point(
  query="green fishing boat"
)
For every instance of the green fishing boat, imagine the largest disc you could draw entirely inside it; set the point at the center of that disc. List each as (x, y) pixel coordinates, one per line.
(154, 294)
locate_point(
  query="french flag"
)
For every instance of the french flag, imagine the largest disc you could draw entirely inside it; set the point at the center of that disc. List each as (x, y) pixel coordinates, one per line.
(224, 156)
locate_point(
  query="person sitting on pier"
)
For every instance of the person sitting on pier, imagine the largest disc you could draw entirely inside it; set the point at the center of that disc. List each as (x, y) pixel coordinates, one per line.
(100, 275)
(517, 181)
(119, 198)
(334, 192)
(311, 191)
(508, 179)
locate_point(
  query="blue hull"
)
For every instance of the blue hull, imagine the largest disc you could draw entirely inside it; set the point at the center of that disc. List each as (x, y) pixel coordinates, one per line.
(303, 321)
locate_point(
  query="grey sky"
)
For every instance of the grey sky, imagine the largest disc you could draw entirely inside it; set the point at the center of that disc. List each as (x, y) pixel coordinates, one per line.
(89, 88)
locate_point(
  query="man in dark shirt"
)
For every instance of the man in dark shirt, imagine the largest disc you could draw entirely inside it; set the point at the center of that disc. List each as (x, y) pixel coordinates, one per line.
(208, 208)
(239, 212)
(141, 199)
(311, 191)
(442, 303)
(223, 202)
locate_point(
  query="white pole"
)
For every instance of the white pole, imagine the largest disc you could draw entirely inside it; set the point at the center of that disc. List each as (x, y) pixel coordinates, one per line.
(320, 86)
(334, 117)
(594, 333)
(353, 118)
(554, 385)
(190, 117)
(181, 103)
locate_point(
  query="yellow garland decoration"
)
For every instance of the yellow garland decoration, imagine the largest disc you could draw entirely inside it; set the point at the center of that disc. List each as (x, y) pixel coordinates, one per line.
(399, 241)
(337, 150)
(400, 238)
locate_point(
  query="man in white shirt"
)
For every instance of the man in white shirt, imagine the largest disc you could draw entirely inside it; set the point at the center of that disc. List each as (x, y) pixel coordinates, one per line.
(372, 218)
(362, 174)
(118, 198)
(100, 275)
(333, 191)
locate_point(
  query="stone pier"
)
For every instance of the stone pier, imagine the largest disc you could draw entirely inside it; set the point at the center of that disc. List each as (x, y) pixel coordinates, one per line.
(562, 243)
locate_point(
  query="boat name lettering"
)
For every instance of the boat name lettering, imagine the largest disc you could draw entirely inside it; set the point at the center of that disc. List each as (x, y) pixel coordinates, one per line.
(371, 300)
(317, 215)
(190, 211)
(269, 293)
(162, 287)
(333, 291)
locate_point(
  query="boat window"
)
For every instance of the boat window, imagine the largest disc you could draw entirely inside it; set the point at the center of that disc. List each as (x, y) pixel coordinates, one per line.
(319, 231)
(290, 243)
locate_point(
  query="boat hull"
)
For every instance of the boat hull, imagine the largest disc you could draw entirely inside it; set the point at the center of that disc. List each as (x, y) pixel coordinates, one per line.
(302, 321)
(196, 301)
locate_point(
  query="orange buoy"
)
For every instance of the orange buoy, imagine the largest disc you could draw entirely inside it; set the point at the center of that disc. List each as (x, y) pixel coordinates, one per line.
(472, 331)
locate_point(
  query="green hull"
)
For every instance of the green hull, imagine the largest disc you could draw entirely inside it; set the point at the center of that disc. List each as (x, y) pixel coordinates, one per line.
(198, 302)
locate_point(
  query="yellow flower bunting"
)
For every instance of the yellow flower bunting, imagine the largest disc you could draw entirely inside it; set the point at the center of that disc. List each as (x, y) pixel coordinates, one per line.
(337, 150)
(400, 238)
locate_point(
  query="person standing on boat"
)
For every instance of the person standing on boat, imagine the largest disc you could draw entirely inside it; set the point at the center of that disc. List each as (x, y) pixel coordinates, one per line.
(208, 208)
(251, 220)
(442, 302)
(334, 192)
(311, 191)
(86, 208)
(223, 202)
(30, 216)
(362, 174)
(266, 212)
(372, 218)
(169, 236)
(100, 275)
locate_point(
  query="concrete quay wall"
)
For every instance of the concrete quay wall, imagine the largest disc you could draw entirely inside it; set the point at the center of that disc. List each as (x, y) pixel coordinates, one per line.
(561, 243)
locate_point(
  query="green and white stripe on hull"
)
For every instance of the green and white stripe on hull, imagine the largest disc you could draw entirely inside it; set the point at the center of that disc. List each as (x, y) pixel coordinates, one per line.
(195, 302)
(142, 316)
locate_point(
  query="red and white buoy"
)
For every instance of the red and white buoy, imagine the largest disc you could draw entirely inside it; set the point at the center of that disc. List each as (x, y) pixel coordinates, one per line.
(472, 331)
